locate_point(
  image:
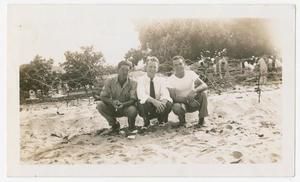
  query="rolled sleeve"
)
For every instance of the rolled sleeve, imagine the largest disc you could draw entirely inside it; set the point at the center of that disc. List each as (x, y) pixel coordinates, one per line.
(141, 92)
(194, 76)
(106, 91)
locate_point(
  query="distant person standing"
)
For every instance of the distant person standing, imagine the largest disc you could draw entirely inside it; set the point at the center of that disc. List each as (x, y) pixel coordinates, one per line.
(118, 98)
(222, 64)
(263, 69)
(187, 91)
(153, 95)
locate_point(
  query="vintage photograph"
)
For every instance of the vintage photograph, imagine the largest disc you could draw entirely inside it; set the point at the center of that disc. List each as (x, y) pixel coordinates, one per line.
(133, 84)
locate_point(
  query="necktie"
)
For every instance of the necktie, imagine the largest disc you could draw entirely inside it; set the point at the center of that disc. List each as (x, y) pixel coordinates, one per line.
(152, 91)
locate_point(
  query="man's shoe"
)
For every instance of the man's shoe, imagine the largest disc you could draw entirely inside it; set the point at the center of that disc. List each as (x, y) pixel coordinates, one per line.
(116, 127)
(131, 129)
(179, 125)
(182, 124)
(201, 121)
(162, 121)
(113, 130)
(146, 122)
(182, 121)
(132, 132)
(110, 131)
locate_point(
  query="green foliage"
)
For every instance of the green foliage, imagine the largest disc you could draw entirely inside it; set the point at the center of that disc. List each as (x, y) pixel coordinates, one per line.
(109, 69)
(191, 37)
(83, 68)
(36, 75)
(135, 55)
(79, 69)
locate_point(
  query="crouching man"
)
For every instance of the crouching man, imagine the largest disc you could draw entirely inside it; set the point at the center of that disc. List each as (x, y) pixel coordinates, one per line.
(187, 91)
(118, 99)
(153, 95)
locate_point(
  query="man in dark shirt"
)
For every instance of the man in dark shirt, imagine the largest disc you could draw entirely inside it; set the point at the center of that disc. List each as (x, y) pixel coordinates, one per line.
(118, 98)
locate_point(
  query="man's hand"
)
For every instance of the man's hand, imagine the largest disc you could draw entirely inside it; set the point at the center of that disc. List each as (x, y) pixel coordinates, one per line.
(160, 106)
(120, 106)
(116, 104)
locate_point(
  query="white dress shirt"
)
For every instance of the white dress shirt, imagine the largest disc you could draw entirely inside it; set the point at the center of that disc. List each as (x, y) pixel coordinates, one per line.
(160, 87)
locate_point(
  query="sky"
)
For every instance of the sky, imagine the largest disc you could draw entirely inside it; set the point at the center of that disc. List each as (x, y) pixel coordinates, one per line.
(50, 30)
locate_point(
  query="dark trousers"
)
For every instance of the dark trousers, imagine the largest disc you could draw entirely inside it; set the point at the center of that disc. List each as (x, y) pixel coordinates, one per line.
(198, 104)
(148, 111)
(110, 114)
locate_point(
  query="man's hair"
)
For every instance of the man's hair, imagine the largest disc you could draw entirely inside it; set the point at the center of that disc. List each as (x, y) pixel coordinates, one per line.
(178, 58)
(152, 59)
(126, 63)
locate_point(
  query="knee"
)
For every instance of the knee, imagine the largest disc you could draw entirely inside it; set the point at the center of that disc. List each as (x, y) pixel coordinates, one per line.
(177, 109)
(131, 111)
(169, 106)
(142, 108)
(101, 106)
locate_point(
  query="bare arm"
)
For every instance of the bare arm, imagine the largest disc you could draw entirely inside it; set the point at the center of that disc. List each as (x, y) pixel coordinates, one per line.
(200, 85)
(105, 95)
(106, 100)
(133, 95)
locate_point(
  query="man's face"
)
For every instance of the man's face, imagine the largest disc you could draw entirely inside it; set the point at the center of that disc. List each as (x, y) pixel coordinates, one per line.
(123, 72)
(178, 66)
(152, 68)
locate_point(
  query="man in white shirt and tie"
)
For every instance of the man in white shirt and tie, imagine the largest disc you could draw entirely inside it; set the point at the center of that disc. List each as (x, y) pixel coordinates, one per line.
(153, 95)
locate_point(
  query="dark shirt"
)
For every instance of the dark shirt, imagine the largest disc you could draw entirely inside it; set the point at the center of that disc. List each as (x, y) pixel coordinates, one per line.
(113, 89)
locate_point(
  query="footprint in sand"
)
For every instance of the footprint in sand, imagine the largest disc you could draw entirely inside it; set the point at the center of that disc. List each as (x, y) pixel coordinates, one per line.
(221, 159)
(100, 162)
(148, 152)
(205, 151)
(165, 155)
(126, 159)
(109, 154)
(141, 159)
(176, 149)
(122, 155)
(275, 157)
(237, 154)
(80, 143)
(190, 145)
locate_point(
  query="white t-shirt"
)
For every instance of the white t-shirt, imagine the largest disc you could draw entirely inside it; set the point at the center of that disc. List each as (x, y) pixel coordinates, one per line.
(183, 85)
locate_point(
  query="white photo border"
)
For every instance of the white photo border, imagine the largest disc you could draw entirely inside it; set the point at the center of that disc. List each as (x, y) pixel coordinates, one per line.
(285, 168)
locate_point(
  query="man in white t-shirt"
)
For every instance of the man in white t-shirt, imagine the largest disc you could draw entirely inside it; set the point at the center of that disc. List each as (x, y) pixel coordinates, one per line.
(187, 91)
(153, 95)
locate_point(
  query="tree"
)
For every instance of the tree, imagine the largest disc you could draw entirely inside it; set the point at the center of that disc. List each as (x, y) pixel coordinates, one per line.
(109, 69)
(190, 38)
(135, 55)
(83, 68)
(37, 75)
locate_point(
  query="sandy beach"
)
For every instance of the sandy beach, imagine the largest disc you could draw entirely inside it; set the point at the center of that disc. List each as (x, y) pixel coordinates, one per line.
(238, 130)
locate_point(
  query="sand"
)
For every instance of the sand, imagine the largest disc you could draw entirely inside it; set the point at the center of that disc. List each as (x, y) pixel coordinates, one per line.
(238, 130)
